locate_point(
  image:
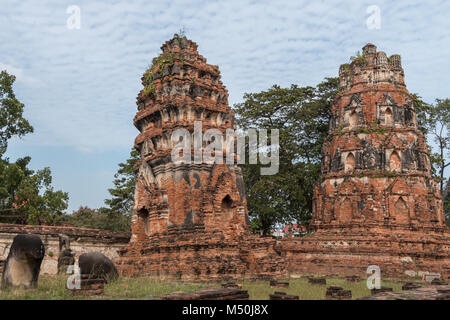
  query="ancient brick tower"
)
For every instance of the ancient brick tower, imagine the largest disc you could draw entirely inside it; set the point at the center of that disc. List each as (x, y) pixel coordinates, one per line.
(180, 88)
(189, 219)
(376, 168)
(376, 202)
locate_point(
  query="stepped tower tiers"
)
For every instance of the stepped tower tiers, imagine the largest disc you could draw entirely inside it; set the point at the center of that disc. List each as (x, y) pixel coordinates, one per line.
(376, 169)
(376, 202)
(180, 88)
(189, 219)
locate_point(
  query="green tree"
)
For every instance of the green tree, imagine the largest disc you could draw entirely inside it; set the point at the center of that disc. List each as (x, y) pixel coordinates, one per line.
(86, 217)
(26, 196)
(12, 122)
(301, 114)
(29, 195)
(116, 215)
(446, 199)
(122, 194)
(423, 111)
(439, 129)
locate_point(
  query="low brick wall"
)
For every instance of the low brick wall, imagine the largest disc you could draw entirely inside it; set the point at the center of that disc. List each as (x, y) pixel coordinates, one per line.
(82, 240)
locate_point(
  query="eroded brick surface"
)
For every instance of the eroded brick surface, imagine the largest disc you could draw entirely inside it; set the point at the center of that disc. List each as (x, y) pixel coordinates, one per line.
(376, 167)
(189, 220)
(376, 202)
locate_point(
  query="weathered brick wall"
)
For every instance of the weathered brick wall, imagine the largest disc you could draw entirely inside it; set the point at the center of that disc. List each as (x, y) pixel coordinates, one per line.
(196, 254)
(82, 240)
(351, 251)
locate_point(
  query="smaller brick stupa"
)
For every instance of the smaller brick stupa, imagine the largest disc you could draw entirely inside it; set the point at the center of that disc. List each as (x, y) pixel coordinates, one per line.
(376, 170)
(376, 202)
(189, 219)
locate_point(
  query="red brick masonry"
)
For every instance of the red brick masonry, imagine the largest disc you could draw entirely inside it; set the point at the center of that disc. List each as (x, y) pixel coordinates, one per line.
(376, 202)
(73, 232)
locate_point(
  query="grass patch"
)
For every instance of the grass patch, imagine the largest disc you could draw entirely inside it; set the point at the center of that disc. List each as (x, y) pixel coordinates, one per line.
(308, 291)
(134, 288)
(49, 288)
(54, 288)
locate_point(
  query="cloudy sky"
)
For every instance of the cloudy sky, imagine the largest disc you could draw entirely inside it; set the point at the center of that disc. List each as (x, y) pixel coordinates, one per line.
(80, 85)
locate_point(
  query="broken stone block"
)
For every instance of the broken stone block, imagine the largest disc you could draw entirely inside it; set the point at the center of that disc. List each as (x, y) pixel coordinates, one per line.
(422, 293)
(65, 260)
(90, 285)
(438, 282)
(410, 286)
(379, 290)
(337, 293)
(431, 276)
(282, 296)
(24, 262)
(209, 294)
(353, 278)
(231, 285)
(278, 284)
(98, 265)
(320, 280)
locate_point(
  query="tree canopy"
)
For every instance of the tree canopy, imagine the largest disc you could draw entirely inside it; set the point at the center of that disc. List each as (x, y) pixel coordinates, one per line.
(301, 114)
(26, 196)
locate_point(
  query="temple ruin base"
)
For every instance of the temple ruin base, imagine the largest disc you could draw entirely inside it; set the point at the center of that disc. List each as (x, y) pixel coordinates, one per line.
(194, 254)
(349, 252)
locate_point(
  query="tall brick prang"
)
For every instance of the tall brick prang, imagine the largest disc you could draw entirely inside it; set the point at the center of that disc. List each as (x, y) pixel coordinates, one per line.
(189, 219)
(179, 89)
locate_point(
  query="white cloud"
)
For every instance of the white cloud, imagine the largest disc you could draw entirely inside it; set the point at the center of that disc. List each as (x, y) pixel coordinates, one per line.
(21, 77)
(90, 77)
(79, 86)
